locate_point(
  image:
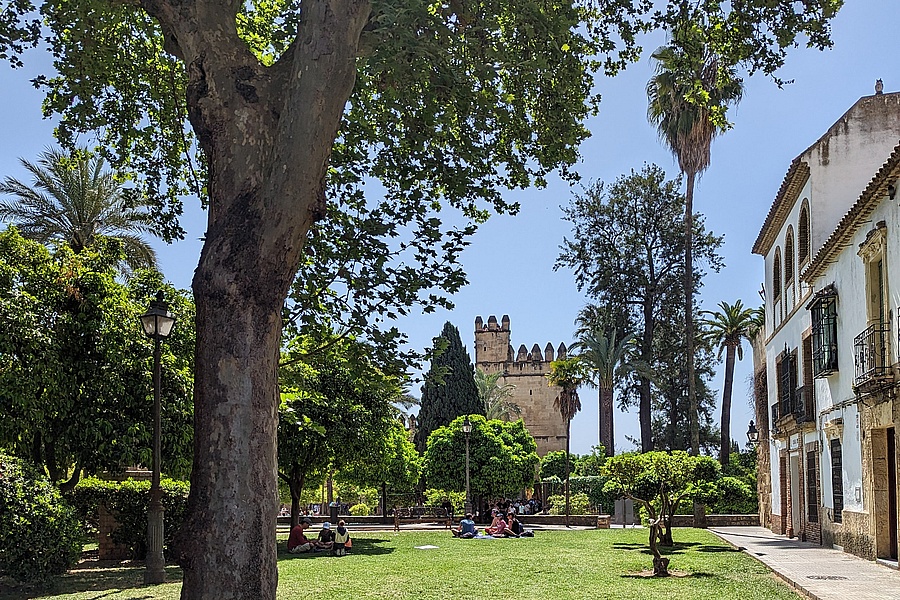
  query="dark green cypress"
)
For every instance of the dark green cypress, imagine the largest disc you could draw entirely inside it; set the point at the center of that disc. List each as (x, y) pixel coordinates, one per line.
(449, 390)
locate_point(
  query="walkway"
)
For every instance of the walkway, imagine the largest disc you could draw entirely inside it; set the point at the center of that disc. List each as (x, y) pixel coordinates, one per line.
(816, 571)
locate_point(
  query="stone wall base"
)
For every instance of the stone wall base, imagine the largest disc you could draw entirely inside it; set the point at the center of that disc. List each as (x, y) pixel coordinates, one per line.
(853, 535)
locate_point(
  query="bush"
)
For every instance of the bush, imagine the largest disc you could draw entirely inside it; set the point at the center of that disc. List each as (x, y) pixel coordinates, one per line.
(360, 510)
(438, 497)
(128, 501)
(737, 497)
(578, 504)
(40, 535)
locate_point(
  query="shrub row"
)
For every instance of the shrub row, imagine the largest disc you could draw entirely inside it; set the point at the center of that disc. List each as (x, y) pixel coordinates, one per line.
(40, 535)
(128, 501)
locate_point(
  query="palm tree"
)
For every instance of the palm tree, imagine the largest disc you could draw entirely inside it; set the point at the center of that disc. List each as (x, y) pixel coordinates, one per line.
(602, 354)
(496, 397)
(727, 328)
(72, 200)
(688, 97)
(568, 374)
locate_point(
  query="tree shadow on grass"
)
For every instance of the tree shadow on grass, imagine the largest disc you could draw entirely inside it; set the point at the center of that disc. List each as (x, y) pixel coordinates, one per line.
(96, 576)
(673, 574)
(677, 548)
(363, 546)
(709, 548)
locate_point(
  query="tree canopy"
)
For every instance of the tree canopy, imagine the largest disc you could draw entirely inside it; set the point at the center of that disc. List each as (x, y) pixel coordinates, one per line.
(73, 199)
(503, 457)
(75, 368)
(335, 411)
(626, 251)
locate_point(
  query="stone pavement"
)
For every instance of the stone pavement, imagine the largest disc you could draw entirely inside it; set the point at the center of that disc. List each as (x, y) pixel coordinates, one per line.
(815, 571)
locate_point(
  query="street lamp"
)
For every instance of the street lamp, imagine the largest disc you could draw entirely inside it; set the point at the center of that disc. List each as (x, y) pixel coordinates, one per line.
(157, 324)
(467, 429)
(752, 435)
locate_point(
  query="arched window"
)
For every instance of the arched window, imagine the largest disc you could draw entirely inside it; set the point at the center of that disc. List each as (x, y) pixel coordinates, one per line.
(776, 275)
(789, 257)
(803, 249)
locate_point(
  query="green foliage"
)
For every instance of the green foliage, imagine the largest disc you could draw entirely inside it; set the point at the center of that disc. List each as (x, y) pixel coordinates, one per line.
(626, 252)
(336, 414)
(553, 464)
(579, 504)
(660, 481)
(75, 367)
(456, 499)
(393, 460)
(495, 397)
(449, 390)
(736, 497)
(73, 200)
(128, 501)
(503, 457)
(40, 535)
(360, 510)
(591, 464)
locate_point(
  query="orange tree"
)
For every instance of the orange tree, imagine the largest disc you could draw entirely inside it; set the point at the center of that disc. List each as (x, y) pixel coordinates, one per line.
(660, 481)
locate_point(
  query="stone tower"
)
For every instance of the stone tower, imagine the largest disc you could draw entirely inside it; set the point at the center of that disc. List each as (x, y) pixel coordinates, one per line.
(527, 372)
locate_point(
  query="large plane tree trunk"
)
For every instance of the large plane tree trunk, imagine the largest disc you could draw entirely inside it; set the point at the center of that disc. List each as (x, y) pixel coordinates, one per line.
(266, 133)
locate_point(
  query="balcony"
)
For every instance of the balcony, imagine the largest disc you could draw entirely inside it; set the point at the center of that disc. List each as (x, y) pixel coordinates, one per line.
(871, 354)
(795, 408)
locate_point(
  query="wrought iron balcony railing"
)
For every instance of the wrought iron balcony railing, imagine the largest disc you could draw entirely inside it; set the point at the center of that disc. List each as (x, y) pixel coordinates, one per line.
(871, 354)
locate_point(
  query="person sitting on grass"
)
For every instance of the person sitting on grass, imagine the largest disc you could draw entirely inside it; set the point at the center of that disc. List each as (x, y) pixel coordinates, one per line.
(297, 541)
(490, 529)
(326, 537)
(466, 528)
(341, 540)
(516, 529)
(502, 529)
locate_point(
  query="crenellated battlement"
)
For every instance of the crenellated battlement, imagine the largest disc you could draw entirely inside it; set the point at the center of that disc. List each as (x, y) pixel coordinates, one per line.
(490, 337)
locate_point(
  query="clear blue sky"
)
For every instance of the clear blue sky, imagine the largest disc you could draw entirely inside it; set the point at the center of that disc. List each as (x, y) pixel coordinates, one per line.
(509, 263)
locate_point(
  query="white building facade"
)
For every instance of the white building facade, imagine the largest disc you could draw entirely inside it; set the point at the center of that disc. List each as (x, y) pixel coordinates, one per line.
(831, 244)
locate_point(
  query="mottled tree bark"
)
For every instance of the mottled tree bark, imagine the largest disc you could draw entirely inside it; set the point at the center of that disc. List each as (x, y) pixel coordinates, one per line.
(266, 133)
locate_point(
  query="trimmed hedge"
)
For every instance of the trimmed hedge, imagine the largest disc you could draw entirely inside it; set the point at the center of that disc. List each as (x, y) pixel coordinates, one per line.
(579, 504)
(128, 501)
(40, 535)
(360, 510)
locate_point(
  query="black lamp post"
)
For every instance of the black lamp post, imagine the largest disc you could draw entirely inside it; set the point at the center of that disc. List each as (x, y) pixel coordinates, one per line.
(467, 429)
(752, 435)
(157, 324)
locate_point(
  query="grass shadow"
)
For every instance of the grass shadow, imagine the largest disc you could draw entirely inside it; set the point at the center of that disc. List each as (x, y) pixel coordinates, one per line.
(677, 548)
(106, 579)
(718, 549)
(362, 546)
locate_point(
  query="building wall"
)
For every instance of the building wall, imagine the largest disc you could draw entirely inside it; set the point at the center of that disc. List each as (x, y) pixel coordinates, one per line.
(841, 164)
(527, 371)
(844, 159)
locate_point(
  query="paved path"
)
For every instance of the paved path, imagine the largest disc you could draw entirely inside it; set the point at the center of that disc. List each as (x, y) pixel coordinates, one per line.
(816, 571)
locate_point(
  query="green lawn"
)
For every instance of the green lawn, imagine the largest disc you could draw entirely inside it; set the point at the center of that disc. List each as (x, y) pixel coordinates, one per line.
(555, 564)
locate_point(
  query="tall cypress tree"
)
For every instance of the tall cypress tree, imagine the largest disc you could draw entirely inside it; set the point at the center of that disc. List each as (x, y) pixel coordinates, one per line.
(449, 390)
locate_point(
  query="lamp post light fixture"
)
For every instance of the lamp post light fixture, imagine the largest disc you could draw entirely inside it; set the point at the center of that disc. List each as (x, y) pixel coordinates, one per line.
(157, 324)
(752, 435)
(467, 429)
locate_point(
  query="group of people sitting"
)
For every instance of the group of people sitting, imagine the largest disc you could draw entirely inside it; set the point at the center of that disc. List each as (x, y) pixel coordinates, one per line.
(337, 541)
(510, 527)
